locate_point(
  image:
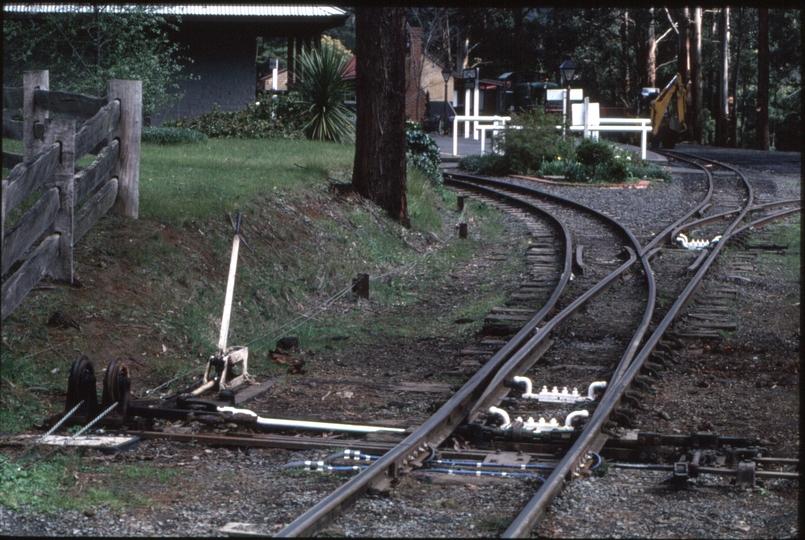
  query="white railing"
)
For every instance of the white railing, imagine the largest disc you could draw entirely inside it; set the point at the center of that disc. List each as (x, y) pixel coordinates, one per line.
(617, 124)
(497, 123)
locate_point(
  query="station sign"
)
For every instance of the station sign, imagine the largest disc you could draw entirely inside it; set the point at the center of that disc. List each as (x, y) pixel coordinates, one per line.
(558, 94)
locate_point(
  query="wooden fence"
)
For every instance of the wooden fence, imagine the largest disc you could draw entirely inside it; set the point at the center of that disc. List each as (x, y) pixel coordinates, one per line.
(72, 199)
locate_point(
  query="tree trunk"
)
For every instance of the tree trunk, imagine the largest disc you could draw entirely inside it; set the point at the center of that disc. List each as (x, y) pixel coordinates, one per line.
(462, 46)
(696, 78)
(624, 35)
(651, 62)
(722, 121)
(762, 135)
(736, 80)
(683, 57)
(379, 168)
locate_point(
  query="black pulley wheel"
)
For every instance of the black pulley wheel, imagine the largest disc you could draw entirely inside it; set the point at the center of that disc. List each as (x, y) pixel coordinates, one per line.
(81, 386)
(117, 386)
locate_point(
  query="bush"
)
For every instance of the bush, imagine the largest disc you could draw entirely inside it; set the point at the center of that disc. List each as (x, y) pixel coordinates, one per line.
(537, 141)
(488, 164)
(592, 153)
(552, 168)
(172, 135)
(600, 163)
(422, 151)
(576, 172)
(278, 117)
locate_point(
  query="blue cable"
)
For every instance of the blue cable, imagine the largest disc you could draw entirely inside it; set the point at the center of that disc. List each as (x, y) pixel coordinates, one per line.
(501, 474)
(479, 464)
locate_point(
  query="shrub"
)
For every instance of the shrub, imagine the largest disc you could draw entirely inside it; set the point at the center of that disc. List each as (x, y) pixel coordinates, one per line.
(614, 170)
(536, 141)
(422, 151)
(172, 135)
(278, 117)
(576, 172)
(646, 170)
(592, 153)
(488, 164)
(552, 168)
(322, 89)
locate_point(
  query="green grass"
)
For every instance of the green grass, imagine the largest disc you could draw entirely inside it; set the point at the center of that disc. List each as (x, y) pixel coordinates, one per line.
(48, 485)
(784, 234)
(181, 183)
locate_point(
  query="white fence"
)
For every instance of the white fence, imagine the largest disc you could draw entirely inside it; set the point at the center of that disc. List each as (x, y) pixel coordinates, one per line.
(589, 123)
(497, 123)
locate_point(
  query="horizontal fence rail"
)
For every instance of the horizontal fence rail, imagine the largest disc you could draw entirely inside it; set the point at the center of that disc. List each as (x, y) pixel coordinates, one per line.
(69, 202)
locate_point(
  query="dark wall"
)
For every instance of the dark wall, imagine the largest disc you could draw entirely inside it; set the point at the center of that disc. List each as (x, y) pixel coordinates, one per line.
(223, 68)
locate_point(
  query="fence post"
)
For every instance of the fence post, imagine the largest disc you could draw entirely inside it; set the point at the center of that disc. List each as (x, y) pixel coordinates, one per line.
(62, 132)
(31, 113)
(128, 132)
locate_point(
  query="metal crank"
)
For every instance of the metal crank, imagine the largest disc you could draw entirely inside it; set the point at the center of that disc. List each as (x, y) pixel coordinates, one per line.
(219, 373)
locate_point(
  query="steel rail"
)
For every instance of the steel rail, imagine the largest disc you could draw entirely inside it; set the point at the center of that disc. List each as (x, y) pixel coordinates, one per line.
(536, 507)
(439, 426)
(708, 470)
(763, 221)
(518, 363)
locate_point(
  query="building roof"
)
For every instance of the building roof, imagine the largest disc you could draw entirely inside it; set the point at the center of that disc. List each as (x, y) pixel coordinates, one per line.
(222, 11)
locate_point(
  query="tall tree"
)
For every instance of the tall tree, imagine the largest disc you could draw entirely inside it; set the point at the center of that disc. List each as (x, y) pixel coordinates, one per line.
(762, 133)
(722, 120)
(696, 77)
(683, 56)
(651, 60)
(379, 169)
(740, 32)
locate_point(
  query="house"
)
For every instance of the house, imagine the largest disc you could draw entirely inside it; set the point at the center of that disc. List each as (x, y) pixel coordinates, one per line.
(222, 42)
(424, 80)
(266, 83)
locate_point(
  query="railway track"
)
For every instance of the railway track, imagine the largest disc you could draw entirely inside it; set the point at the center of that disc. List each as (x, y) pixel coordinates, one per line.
(599, 305)
(722, 196)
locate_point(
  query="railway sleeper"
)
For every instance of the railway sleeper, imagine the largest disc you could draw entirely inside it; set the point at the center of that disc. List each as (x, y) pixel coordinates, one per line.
(644, 384)
(652, 369)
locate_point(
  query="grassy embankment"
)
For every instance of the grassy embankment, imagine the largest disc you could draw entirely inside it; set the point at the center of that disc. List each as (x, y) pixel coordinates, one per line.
(152, 290)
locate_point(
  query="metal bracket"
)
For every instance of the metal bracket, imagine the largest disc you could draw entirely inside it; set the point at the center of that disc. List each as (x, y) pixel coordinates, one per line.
(745, 474)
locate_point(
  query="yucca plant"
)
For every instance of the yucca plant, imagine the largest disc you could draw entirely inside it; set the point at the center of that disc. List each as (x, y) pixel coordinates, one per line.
(322, 90)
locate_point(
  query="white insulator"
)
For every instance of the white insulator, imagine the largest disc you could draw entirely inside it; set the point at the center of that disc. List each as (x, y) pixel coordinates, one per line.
(503, 414)
(528, 394)
(574, 414)
(696, 244)
(593, 387)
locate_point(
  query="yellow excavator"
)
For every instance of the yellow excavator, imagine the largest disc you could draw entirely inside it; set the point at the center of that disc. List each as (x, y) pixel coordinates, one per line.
(666, 127)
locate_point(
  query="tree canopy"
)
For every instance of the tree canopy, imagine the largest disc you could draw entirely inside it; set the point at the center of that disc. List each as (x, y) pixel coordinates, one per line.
(612, 47)
(82, 50)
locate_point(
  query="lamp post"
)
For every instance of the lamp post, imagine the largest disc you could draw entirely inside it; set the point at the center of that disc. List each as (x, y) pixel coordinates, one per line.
(446, 72)
(568, 70)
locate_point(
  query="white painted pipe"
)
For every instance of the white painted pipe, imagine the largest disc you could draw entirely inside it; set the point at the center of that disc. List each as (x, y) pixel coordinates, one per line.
(528, 394)
(595, 386)
(575, 414)
(500, 412)
(306, 424)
